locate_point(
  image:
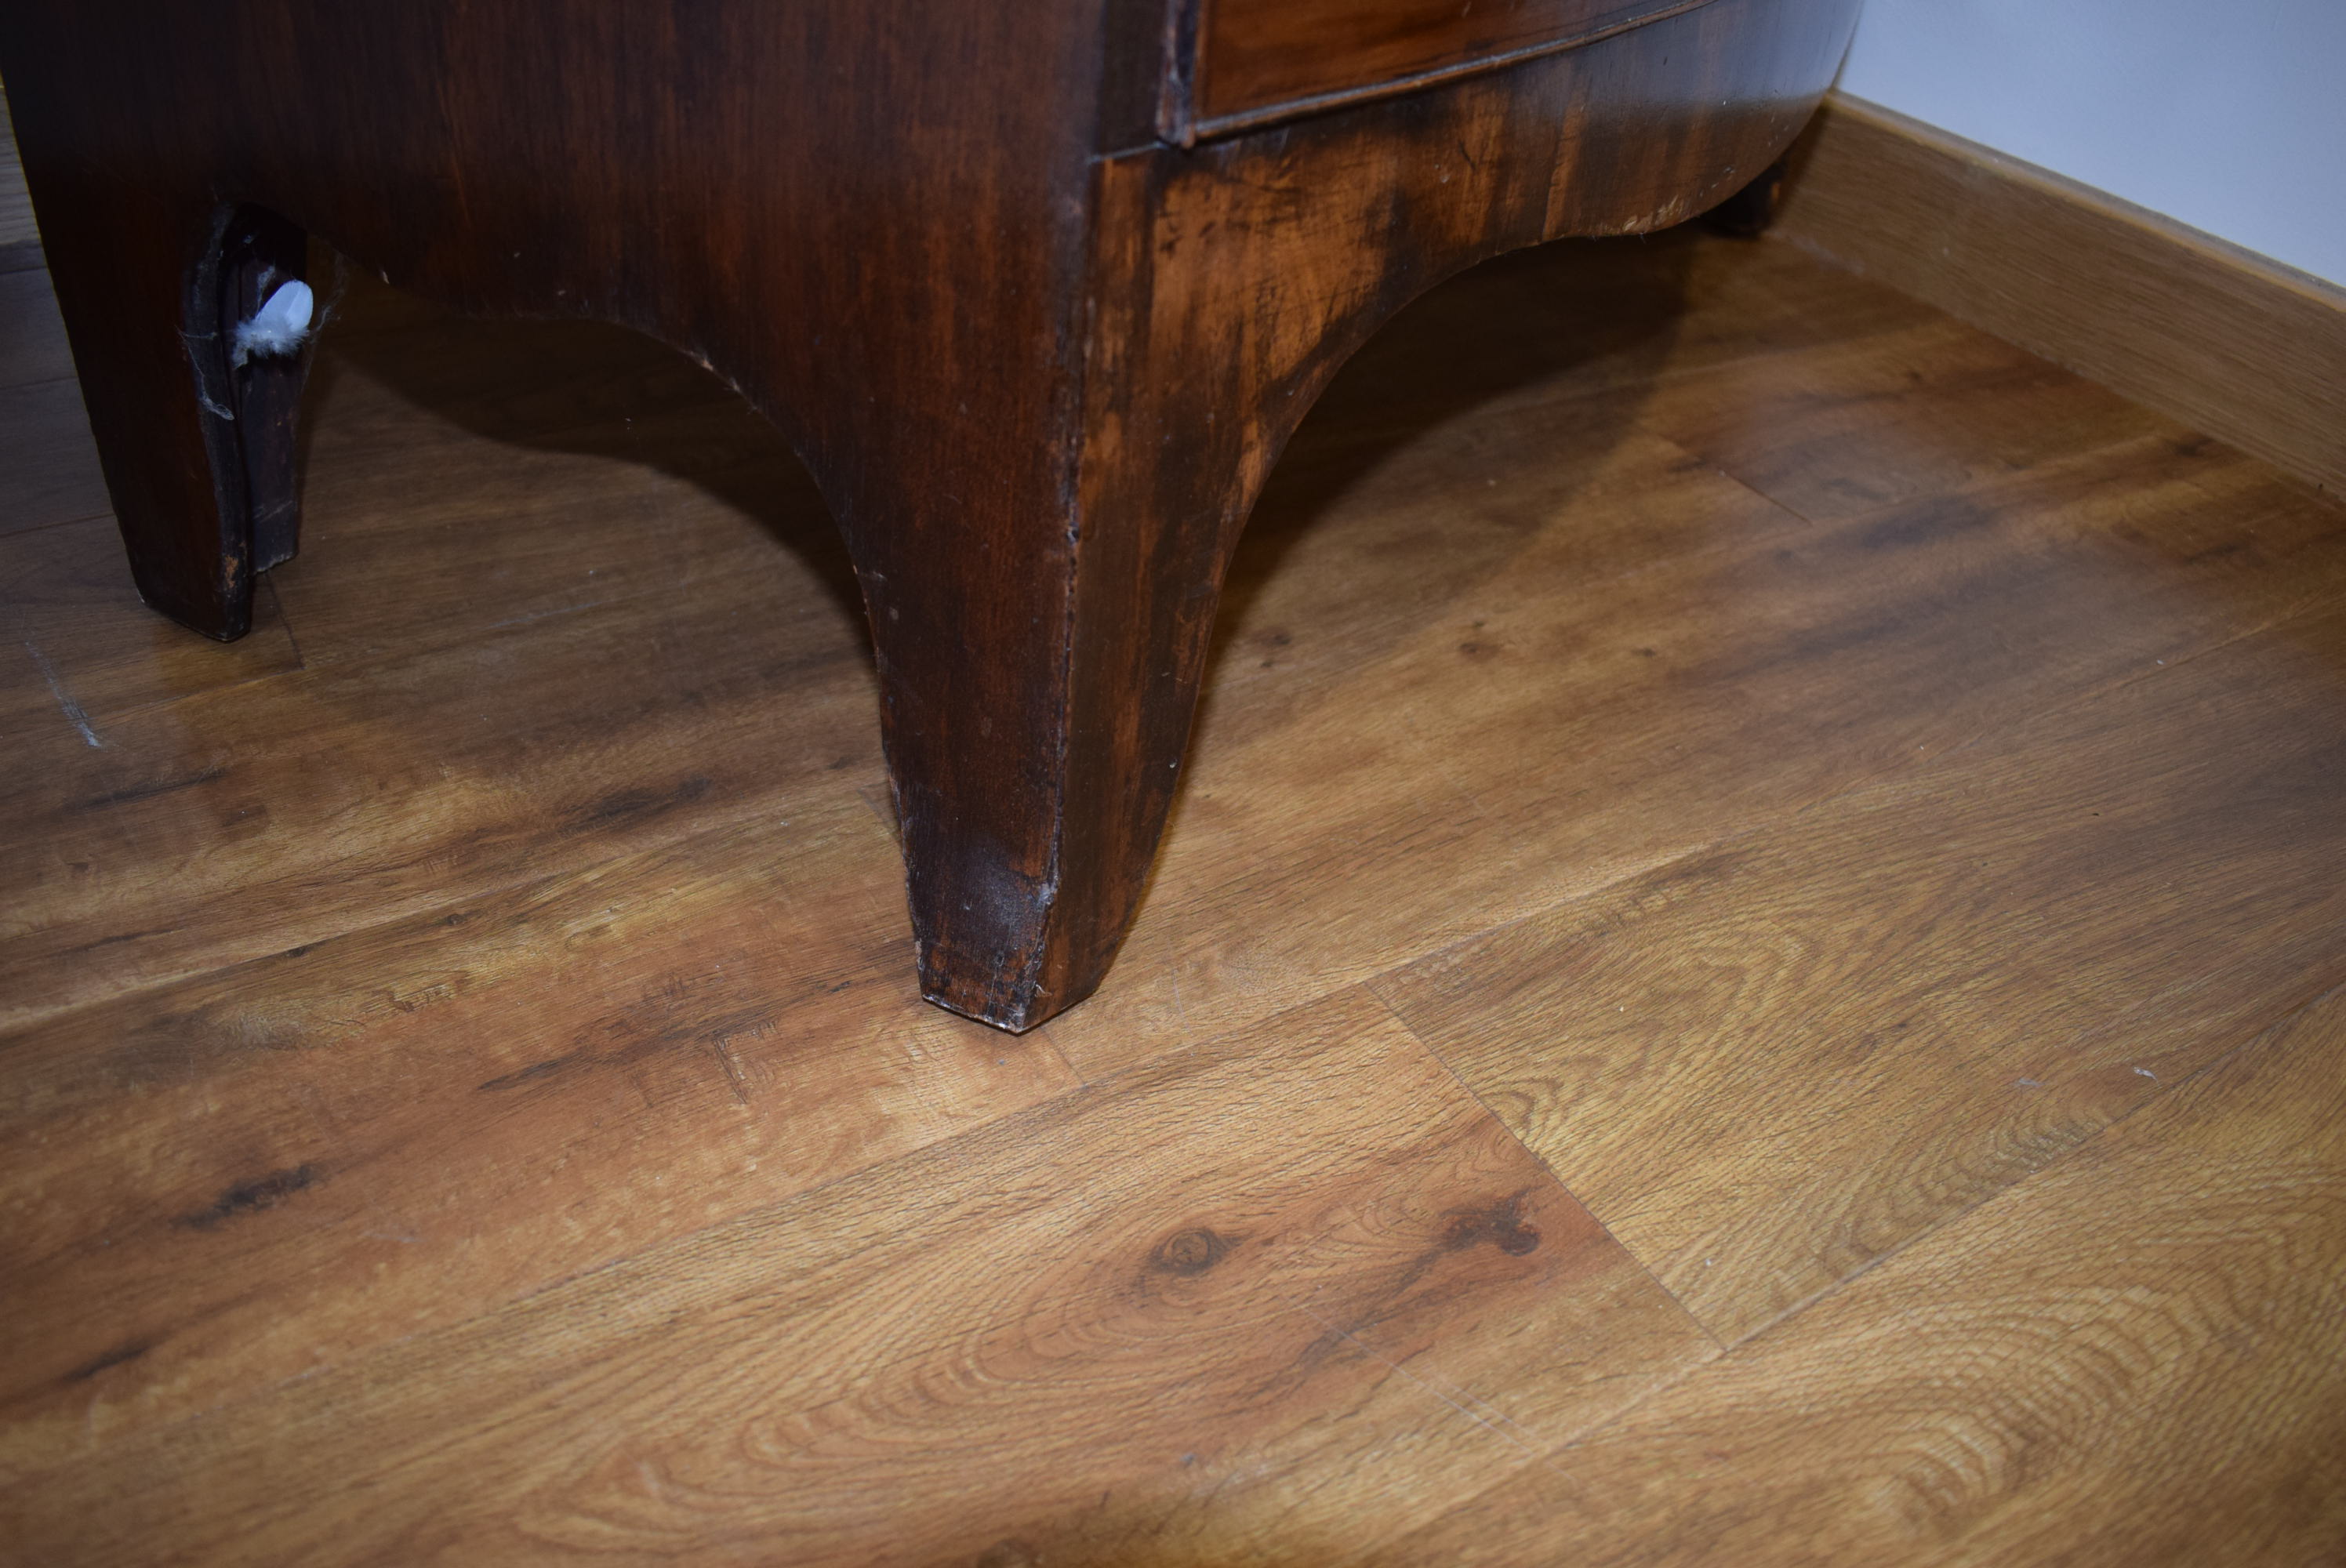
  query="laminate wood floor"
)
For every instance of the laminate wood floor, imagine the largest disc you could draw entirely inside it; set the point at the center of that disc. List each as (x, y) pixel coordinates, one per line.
(1751, 969)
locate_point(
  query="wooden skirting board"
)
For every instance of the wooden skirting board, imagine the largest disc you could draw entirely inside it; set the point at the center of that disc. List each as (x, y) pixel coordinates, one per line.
(2225, 340)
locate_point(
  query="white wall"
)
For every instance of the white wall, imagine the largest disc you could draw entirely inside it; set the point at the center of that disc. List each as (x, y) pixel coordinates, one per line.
(2226, 115)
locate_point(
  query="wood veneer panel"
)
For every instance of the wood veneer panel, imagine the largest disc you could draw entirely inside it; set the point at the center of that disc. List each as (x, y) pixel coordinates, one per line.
(1261, 59)
(2137, 1356)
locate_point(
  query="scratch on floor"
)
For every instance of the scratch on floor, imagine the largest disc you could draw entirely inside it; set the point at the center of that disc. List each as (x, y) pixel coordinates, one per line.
(1173, 974)
(546, 614)
(65, 704)
(723, 1046)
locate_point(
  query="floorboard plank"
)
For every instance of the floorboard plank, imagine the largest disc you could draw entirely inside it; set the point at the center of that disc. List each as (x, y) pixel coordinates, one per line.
(32, 335)
(216, 1185)
(236, 823)
(1207, 1311)
(1857, 426)
(1772, 1064)
(571, 465)
(466, 1099)
(1615, 319)
(2137, 1356)
(96, 653)
(53, 475)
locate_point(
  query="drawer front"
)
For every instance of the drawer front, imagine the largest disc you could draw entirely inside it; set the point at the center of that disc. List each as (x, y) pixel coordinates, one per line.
(1250, 61)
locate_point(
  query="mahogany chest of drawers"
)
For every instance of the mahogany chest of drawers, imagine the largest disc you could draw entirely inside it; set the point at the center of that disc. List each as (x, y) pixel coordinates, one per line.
(1036, 288)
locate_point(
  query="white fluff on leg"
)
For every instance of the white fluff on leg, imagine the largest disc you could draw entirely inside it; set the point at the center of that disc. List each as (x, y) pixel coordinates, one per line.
(278, 327)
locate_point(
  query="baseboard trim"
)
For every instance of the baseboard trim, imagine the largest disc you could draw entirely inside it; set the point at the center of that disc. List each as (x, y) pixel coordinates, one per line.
(2226, 340)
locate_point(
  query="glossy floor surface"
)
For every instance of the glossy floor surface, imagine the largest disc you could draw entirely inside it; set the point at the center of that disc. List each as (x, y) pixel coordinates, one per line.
(1744, 975)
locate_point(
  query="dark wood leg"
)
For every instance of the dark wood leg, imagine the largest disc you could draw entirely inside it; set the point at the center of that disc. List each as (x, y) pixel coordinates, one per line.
(1040, 651)
(1038, 687)
(1041, 657)
(198, 448)
(1747, 214)
(259, 254)
(1035, 738)
(1041, 660)
(1042, 627)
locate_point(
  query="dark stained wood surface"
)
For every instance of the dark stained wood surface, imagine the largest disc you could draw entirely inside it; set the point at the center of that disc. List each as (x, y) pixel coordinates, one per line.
(1037, 374)
(466, 1100)
(1255, 60)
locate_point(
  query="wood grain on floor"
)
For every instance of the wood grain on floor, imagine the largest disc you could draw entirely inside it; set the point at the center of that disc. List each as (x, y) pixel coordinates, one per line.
(1746, 971)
